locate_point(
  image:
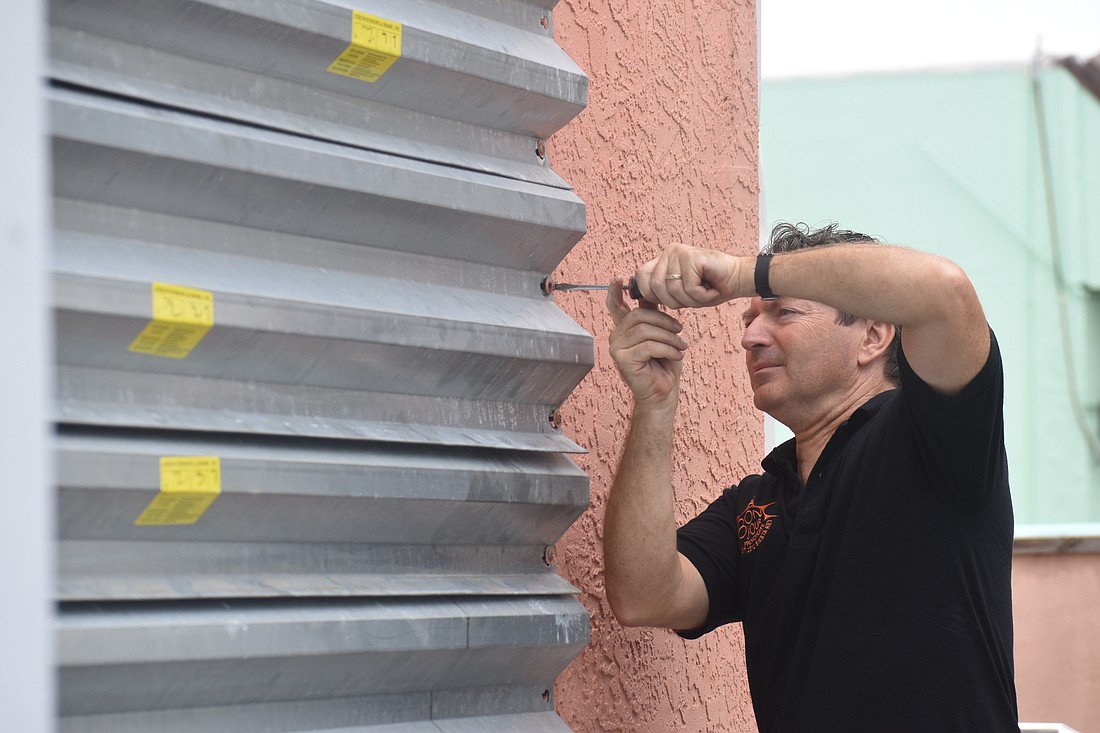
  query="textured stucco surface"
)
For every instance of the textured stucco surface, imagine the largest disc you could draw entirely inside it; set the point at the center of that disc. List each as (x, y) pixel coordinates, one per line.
(666, 151)
(1056, 613)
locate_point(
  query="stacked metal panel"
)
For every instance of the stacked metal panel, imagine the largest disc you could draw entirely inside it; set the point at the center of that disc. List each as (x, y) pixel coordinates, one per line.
(309, 470)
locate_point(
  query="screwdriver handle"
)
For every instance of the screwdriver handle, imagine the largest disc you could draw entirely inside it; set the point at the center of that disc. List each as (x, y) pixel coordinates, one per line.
(632, 288)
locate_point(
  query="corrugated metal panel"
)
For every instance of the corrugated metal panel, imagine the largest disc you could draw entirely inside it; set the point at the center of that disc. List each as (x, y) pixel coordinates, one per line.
(384, 662)
(333, 330)
(310, 517)
(377, 389)
(475, 83)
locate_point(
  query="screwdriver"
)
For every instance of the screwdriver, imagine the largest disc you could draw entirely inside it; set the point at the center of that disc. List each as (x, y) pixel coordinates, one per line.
(549, 286)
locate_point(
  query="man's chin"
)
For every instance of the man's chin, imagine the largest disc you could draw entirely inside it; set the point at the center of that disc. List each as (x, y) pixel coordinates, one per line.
(763, 401)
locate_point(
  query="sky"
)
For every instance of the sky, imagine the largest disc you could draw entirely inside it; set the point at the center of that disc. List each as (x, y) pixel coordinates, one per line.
(830, 37)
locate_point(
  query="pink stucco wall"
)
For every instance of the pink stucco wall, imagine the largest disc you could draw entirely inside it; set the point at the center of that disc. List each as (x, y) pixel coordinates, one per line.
(666, 151)
(1056, 612)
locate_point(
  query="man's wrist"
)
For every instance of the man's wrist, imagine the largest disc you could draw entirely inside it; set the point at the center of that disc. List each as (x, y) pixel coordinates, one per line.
(761, 277)
(656, 412)
(744, 285)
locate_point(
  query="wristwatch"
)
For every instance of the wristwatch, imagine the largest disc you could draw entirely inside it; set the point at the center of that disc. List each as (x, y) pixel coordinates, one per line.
(760, 278)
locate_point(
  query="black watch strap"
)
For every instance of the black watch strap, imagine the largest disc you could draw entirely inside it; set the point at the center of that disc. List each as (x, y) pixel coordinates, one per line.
(760, 278)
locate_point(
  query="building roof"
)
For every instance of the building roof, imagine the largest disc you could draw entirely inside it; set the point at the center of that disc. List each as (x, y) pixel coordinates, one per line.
(1087, 73)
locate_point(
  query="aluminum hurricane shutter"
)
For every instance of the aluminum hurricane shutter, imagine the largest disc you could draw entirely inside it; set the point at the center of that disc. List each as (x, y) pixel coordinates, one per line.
(377, 385)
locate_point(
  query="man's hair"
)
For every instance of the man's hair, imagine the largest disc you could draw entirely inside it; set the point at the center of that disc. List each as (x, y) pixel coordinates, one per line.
(788, 237)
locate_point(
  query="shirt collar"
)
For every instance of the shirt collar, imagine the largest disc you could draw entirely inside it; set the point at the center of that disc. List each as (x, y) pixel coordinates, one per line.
(782, 462)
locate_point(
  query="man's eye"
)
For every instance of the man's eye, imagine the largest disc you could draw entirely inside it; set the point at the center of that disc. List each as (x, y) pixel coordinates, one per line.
(786, 311)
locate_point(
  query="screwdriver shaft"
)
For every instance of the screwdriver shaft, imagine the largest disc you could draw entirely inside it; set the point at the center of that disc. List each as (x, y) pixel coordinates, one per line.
(571, 286)
(631, 287)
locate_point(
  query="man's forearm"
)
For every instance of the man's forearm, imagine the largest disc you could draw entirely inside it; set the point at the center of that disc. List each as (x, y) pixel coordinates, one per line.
(878, 282)
(944, 330)
(641, 562)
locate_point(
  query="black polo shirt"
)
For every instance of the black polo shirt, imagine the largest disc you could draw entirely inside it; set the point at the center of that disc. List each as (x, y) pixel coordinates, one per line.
(878, 596)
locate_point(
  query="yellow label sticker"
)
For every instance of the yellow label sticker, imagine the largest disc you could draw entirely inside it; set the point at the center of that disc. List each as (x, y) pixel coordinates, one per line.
(375, 45)
(188, 486)
(181, 317)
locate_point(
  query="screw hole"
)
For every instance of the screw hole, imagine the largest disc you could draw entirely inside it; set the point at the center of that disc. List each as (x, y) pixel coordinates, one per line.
(544, 22)
(546, 696)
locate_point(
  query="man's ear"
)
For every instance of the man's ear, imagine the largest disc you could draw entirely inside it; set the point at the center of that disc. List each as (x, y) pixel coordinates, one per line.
(877, 338)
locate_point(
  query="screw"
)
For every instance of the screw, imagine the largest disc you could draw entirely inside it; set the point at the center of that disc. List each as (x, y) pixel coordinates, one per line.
(540, 149)
(555, 419)
(547, 285)
(548, 555)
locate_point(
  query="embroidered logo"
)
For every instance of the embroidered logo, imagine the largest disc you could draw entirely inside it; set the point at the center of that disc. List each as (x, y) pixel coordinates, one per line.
(753, 525)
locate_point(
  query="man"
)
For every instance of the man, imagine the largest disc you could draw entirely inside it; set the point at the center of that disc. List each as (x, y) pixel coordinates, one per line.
(870, 563)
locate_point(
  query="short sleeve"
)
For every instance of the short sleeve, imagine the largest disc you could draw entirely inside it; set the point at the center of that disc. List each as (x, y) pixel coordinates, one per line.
(709, 541)
(959, 439)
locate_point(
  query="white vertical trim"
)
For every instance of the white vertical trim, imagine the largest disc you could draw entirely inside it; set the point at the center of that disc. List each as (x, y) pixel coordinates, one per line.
(763, 208)
(775, 433)
(26, 518)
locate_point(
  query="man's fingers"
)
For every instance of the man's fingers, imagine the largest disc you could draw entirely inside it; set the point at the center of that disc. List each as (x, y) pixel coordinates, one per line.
(645, 338)
(689, 292)
(645, 345)
(649, 313)
(643, 353)
(615, 302)
(661, 279)
(641, 349)
(687, 277)
(682, 287)
(646, 322)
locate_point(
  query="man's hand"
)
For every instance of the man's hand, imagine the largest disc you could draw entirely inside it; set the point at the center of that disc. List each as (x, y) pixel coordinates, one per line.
(647, 349)
(691, 277)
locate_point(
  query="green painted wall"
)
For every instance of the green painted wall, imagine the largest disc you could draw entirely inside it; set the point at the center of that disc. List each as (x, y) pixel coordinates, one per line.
(949, 163)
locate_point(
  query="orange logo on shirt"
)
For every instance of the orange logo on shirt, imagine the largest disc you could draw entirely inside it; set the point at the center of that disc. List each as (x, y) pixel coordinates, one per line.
(753, 525)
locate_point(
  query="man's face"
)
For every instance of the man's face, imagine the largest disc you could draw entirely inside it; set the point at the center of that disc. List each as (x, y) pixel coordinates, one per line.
(801, 362)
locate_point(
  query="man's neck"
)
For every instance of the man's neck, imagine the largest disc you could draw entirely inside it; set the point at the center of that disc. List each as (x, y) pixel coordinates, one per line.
(811, 439)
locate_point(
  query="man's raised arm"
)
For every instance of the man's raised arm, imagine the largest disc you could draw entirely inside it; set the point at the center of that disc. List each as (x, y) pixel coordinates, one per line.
(944, 331)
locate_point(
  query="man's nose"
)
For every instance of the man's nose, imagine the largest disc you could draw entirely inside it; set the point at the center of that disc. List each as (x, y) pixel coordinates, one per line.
(756, 333)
